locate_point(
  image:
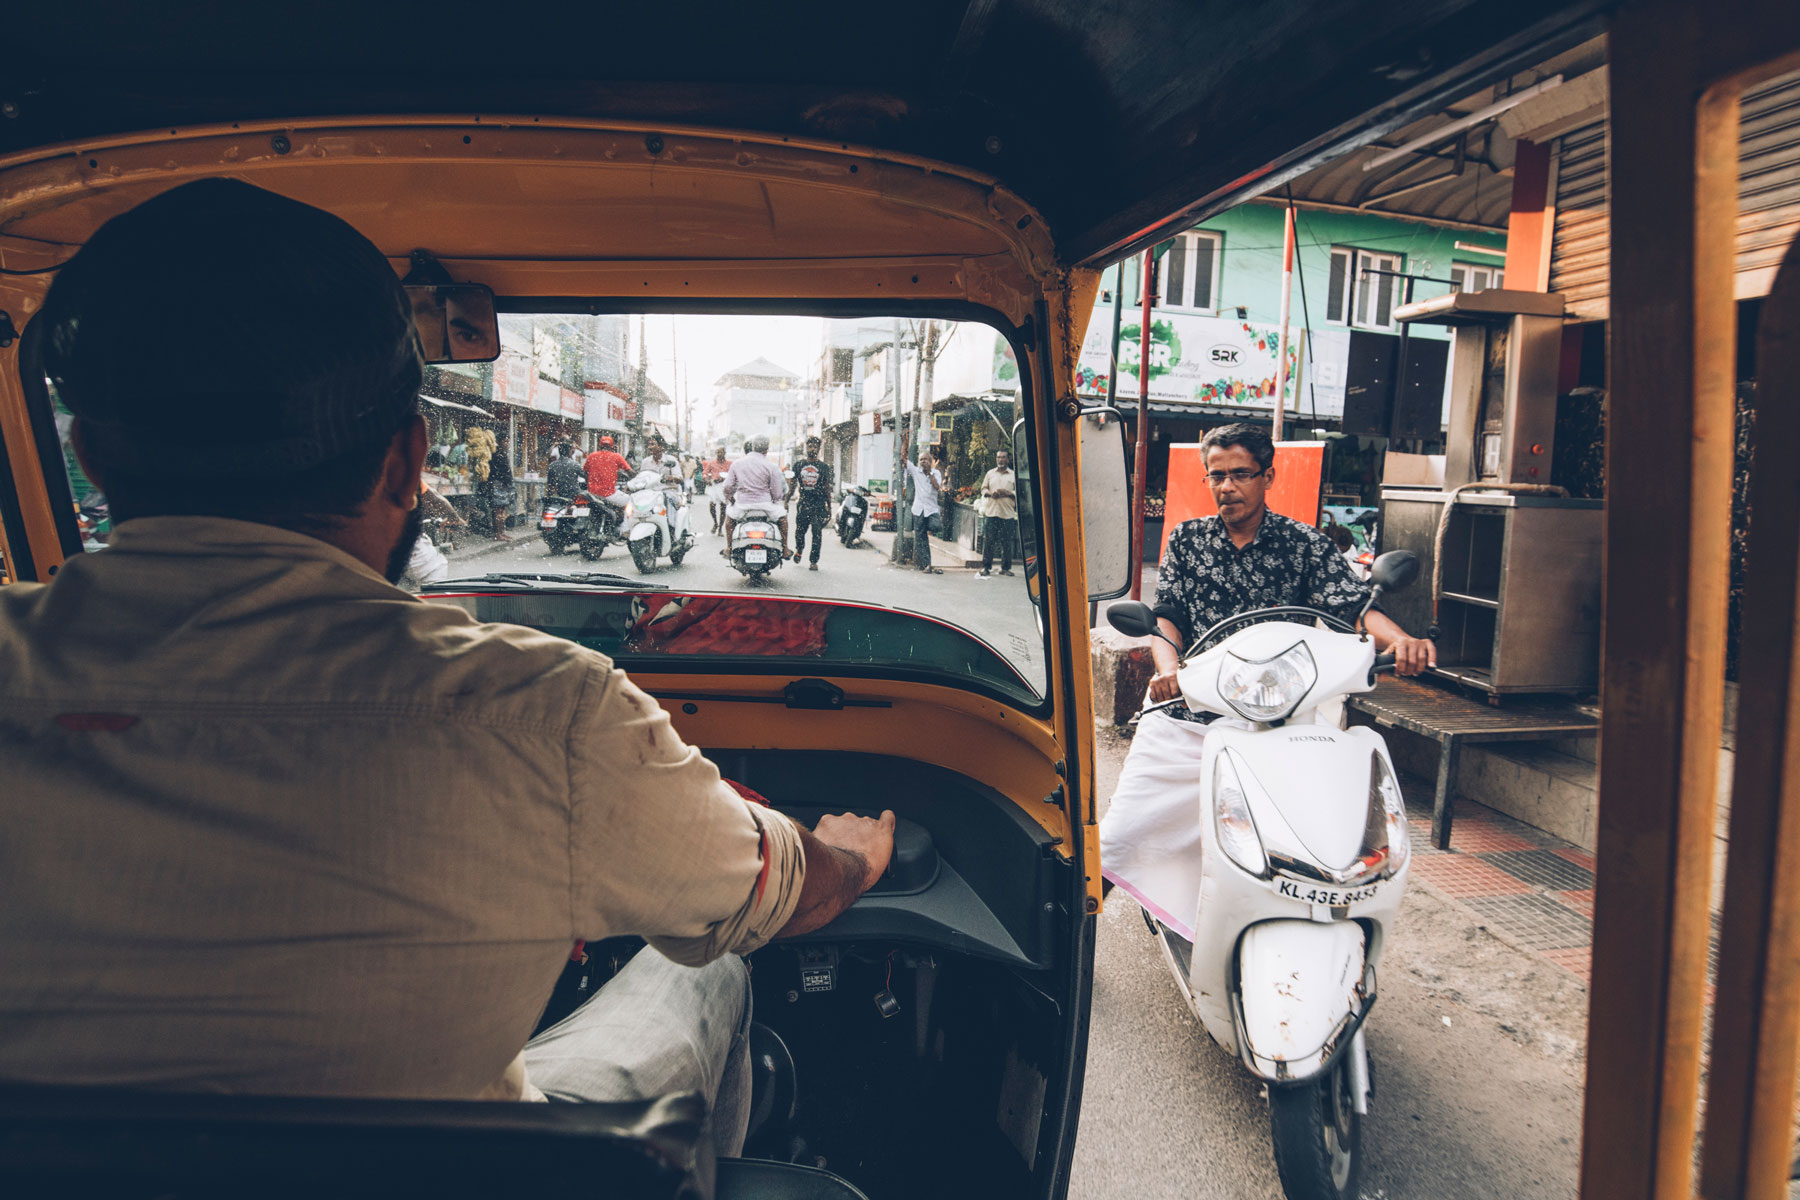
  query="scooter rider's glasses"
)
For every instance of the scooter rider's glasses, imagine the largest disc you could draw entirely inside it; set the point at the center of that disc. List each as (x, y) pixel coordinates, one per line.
(1241, 475)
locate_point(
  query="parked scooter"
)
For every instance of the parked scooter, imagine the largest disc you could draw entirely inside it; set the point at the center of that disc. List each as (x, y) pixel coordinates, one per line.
(1305, 852)
(656, 521)
(852, 512)
(755, 548)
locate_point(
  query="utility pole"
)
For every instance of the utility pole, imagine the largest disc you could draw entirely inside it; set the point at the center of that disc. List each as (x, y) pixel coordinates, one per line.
(1287, 293)
(1143, 430)
(901, 552)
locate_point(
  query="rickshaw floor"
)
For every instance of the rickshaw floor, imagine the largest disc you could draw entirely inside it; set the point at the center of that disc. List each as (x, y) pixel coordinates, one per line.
(908, 1104)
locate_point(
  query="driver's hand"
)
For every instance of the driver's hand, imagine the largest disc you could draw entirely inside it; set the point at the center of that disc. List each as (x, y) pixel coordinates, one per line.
(870, 838)
(1412, 655)
(1164, 687)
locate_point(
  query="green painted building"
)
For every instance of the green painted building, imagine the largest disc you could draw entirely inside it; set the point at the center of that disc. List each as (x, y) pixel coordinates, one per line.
(1218, 306)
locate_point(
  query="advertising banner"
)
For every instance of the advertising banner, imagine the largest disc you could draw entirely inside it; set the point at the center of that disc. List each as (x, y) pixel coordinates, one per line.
(1211, 362)
(573, 406)
(513, 374)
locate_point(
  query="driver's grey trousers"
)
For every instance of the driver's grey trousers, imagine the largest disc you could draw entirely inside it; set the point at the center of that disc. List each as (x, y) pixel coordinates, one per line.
(656, 1028)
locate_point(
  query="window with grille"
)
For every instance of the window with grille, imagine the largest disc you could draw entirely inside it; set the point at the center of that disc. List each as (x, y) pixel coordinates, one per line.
(1190, 272)
(1467, 277)
(1358, 294)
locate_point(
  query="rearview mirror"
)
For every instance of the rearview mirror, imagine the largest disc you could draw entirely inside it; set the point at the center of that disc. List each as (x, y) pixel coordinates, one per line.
(1105, 503)
(1133, 618)
(456, 322)
(1394, 570)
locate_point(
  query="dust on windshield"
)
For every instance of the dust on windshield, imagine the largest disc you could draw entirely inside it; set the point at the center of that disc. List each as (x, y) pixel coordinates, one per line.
(870, 461)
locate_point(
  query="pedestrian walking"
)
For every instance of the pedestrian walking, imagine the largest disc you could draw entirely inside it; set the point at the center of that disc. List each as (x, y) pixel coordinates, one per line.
(811, 488)
(999, 510)
(715, 488)
(928, 483)
(500, 493)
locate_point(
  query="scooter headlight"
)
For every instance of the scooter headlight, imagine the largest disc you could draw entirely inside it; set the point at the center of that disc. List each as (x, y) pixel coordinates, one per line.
(1384, 799)
(1268, 689)
(1231, 819)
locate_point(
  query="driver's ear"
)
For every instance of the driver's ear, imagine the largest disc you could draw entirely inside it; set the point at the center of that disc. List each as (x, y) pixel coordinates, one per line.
(405, 459)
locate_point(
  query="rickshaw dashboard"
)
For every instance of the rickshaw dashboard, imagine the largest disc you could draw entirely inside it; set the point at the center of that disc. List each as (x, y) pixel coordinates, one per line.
(969, 873)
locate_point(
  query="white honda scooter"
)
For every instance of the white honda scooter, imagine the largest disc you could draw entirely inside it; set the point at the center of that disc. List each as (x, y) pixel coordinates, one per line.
(1304, 851)
(655, 521)
(755, 547)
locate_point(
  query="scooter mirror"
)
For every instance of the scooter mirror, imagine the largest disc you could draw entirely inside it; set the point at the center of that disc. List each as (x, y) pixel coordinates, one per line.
(1132, 618)
(1394, 570)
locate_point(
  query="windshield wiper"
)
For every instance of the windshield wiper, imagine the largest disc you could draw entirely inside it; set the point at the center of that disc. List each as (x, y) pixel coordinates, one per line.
(596, 579)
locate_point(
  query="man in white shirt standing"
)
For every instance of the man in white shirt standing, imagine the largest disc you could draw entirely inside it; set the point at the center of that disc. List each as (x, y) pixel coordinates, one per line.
(999, 510)
(928, 482)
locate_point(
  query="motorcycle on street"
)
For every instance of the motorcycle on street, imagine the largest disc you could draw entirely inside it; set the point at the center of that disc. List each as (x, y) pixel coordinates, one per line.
(655, 521)
(852, 513)
(1304, 858)
(755, 548)
(589, 525)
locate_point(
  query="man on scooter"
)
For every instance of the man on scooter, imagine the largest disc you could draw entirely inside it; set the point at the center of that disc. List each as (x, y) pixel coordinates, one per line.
(603, 469)
(754, 484)
(1244, 558)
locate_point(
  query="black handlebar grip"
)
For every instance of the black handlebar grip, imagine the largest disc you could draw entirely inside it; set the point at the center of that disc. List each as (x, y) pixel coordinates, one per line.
(1383, 662)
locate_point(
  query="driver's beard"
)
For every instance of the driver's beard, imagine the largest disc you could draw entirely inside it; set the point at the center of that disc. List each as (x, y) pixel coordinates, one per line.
(401, 554)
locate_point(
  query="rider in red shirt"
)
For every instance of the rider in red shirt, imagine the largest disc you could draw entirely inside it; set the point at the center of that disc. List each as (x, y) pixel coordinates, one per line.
(603, 467)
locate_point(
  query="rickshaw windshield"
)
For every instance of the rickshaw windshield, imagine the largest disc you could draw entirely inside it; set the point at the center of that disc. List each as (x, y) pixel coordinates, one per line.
(818, 425)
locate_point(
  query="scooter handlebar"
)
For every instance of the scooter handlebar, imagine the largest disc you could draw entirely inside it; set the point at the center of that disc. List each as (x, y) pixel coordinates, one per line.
(1384, 662)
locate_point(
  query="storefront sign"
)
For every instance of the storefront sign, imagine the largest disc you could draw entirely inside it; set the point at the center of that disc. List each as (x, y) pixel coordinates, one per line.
(1215, 362)
(574, 407)
(513, 374)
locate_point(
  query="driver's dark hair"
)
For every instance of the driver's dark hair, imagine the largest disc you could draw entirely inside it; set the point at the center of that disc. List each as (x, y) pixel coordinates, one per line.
(193, 391)
(1243, 434)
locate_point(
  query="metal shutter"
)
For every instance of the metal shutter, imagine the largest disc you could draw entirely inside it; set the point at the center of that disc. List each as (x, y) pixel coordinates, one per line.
(1579, 251)
(1768, 181)
(1768, 208)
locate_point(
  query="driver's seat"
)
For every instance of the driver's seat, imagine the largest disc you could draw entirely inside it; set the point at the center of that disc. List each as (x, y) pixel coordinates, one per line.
(132, 1145)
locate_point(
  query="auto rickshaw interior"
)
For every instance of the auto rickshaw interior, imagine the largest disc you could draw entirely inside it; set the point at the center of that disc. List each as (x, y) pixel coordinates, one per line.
(971, 161)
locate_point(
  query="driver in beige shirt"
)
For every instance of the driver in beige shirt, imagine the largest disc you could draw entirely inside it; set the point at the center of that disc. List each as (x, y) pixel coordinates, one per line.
(275, 826)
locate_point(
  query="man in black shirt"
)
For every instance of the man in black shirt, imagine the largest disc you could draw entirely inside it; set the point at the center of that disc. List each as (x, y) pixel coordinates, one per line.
(565, 477)
(1213, 568)
(812, 484)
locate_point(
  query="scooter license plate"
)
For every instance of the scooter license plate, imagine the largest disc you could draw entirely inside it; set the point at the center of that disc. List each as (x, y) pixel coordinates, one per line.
(756, 556)
(580, 512)
(548, 523)
(1308, 892)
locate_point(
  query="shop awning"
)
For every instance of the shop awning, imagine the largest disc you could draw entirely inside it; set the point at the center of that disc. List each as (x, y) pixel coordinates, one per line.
(453, 404)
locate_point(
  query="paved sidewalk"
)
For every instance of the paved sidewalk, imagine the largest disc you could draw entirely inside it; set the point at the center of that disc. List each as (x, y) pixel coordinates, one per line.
(1529, 889)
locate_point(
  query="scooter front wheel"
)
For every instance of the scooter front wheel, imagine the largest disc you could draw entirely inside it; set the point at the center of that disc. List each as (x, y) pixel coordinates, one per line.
(1318, 1136)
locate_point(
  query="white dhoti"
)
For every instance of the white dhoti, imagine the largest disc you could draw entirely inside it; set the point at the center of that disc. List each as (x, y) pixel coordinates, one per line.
(1150, 835)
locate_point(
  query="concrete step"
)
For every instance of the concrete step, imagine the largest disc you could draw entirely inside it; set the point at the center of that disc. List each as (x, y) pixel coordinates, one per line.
(1534, 783)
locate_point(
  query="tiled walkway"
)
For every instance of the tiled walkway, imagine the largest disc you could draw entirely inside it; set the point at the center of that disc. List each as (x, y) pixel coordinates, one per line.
(1528, 888)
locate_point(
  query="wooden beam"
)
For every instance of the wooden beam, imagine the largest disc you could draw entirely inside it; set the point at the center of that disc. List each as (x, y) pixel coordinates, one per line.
(1756, 1056)
(1669, 467)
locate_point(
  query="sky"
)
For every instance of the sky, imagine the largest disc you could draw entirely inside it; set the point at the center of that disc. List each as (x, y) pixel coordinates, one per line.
(709, 346)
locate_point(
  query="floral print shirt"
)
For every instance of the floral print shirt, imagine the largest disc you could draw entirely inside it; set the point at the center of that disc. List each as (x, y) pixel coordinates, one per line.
(1204, 578)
